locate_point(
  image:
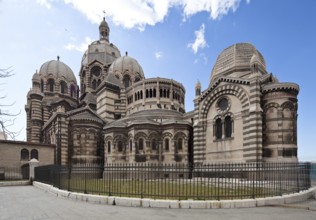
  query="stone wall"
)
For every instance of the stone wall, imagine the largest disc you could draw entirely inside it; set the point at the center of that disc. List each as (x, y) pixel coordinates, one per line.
(10, 153)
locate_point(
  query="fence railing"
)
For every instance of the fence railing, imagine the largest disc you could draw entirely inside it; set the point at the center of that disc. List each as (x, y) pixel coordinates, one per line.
(14, 173)
(313, 174)
(199, 182)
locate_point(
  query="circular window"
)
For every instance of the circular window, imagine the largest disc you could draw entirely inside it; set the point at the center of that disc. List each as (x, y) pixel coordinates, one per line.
(96, 71)
(223, 104)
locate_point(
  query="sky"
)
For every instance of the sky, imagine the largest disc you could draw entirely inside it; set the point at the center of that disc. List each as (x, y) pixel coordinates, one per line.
(177, 39)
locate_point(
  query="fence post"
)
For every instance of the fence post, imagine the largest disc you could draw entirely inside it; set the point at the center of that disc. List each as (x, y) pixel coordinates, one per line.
(33, 163)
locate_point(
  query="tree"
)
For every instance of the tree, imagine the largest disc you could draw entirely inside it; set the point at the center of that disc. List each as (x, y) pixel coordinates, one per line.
(7, 118)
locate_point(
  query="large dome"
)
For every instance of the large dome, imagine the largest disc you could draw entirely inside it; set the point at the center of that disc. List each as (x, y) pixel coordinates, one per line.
(127, 66)
(58, 70)
(236, 58)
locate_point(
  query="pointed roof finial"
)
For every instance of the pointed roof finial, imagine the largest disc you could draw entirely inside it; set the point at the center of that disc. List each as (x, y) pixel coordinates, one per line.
(57, 58)
(198, 85)
(104, 15)
(126, 53)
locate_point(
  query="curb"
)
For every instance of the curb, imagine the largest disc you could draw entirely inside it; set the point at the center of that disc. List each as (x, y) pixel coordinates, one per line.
(16, 183)
(183, 204)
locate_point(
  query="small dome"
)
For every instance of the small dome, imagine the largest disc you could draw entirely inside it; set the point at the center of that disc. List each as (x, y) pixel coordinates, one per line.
(58, 69)
(236, 58)
(127, 66)
(104, 24)
(36, 77)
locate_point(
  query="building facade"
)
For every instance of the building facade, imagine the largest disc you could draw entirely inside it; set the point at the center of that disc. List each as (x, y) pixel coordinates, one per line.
(14, 154)
(116, 115)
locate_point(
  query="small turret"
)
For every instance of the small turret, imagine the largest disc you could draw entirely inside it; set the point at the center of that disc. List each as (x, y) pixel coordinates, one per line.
(198, 88)
(256, 65)
(36, 81)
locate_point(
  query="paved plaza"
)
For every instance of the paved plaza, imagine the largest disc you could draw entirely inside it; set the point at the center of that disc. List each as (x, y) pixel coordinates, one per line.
(28, 202)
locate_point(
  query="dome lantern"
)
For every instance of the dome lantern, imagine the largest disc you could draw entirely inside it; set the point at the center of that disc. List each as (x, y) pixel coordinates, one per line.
(104, 30)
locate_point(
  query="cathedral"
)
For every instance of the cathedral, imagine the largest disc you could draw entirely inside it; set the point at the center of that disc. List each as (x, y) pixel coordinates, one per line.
(116, 115)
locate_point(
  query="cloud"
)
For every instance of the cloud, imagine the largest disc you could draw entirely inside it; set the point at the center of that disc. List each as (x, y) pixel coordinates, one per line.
(158, 55)
(199, 42)
(216, 8)
(202, 57)
(140, 13)
(45, 3)
(82, 47)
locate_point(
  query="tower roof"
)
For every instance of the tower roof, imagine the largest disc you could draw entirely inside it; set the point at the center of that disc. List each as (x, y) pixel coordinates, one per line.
(236, 58)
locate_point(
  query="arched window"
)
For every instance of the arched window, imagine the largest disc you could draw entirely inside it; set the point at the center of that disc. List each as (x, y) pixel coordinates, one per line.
(160, 93)
(141, 94)
(137, 79)
(180, 144)
(34, 154)
(154, 92)
(94, 84)
(154, 144)
(167, 144)
(72, 91)
(96, 71)
(218, 128)
(130, 145)
(25, 154)
(50, 85)
(120, 146)
(63, 87)
(140, 144)
(150, 93)
(126, 81)
(228, 126)
(109, 146)
(99, 82)
(147, 93)
(42, 86)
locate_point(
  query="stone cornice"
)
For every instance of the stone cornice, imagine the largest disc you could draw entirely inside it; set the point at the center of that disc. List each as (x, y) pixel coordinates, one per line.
(32, 144)
(271, 87)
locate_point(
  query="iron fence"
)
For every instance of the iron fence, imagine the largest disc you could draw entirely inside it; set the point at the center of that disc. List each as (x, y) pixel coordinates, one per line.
(181, 181)
(313, 174)
(14, 173)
